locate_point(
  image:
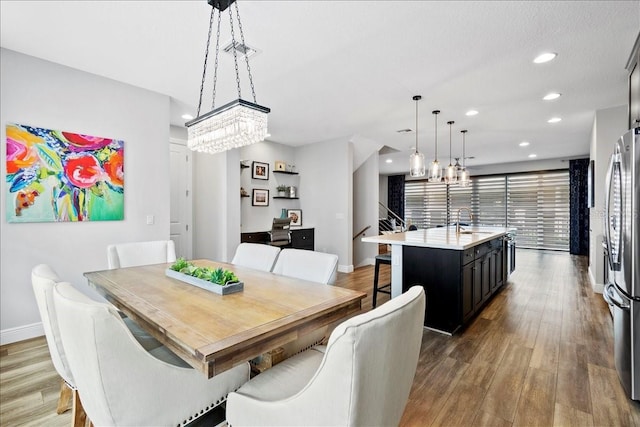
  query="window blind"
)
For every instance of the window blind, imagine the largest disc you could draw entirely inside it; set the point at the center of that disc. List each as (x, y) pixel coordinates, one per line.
(539, 209)
(425, 203)
(537, 204)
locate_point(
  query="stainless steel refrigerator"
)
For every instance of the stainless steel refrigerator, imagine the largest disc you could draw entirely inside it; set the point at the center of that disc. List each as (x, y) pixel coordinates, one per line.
(622, 232)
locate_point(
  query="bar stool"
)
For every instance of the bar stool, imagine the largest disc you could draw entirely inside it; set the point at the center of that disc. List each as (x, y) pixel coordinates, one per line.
(385, 289)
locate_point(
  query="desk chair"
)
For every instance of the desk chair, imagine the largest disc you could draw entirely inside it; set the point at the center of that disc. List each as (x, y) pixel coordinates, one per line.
(385, 289)
(280, 233)
(363, 377)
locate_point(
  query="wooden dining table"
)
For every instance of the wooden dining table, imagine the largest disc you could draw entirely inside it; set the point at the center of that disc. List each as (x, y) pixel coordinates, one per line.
(215, 332)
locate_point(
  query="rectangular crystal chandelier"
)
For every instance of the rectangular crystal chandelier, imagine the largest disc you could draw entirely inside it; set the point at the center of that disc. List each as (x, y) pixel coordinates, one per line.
(239, 122)
(233, 125)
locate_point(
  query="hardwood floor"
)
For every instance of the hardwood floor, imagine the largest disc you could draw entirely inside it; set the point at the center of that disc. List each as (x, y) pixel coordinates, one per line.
(540, 353)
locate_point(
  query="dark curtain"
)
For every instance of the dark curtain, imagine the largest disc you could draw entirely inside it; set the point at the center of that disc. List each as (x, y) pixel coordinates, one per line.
(578, 207)
(395, 189)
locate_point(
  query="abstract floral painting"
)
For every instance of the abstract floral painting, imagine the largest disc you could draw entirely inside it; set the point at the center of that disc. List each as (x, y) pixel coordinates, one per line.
(62, 176)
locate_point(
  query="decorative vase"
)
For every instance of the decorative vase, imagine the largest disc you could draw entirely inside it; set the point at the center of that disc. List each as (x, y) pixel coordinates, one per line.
(283, 214)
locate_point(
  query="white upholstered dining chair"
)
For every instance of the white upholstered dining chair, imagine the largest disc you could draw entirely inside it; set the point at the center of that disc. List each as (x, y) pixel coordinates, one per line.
(120, 383)
(307, 265)
(256, 256)
(140, 253)
(362, 378)
(313, 266)
(43, 280)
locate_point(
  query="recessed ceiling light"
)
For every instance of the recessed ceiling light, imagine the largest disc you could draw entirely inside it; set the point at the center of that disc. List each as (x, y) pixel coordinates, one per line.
(531, 156)
(389, 161)
(471, 113)
(187, 116)
(551, 96)
(523, 144)
(554, 120)
(545, 57)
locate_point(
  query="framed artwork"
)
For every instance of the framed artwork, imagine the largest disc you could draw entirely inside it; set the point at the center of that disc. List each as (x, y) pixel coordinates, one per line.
(296, 216)
(260, 197)
(279, 165)
(59, 176)
(260, 170)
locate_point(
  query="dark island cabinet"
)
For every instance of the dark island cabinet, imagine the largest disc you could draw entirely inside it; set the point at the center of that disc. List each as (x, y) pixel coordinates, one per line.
(458, 283)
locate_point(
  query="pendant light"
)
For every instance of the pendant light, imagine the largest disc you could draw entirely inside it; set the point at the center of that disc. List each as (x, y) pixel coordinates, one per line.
(451, 175)
(463, 174)
(239, 122)
(416, 161)
(435, 172)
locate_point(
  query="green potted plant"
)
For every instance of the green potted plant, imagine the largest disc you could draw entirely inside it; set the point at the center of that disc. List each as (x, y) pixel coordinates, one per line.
(282, 190)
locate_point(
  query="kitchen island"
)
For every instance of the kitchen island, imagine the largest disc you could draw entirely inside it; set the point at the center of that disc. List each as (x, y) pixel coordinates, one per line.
(460, 271)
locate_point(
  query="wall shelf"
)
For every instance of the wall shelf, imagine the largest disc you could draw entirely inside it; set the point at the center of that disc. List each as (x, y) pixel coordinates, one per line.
(243, 166)
(286, 172)
(285, 197)
(244, 195)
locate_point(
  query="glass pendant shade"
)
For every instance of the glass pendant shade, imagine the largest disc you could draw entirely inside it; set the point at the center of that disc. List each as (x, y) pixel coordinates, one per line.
(463, 174)
(233, 125)
(416, 165)
(451, 173)
(435, 172)
(416, 160)
(463, 178)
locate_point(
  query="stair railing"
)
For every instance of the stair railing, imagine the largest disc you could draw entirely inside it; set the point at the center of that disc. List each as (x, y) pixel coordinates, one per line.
(389, 221)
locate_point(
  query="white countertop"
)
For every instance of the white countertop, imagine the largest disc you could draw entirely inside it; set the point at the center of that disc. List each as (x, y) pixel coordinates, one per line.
(442, 238)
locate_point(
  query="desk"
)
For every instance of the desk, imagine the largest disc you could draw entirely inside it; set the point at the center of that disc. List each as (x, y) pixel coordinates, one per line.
(215, 332)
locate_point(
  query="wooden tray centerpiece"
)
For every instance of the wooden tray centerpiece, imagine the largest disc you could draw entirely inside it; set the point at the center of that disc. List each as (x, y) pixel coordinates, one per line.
(216, 280)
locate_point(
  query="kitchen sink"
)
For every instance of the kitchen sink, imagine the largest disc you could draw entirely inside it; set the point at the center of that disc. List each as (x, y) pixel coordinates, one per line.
(475, 232)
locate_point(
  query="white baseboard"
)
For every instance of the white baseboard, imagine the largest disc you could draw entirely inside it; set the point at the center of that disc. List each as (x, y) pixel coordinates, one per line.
(345, 268)
(366, 261)
(598, 288)
(21, 333)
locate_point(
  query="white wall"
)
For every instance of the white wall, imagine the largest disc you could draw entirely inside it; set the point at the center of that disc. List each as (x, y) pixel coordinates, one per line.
(259, 218)
(383, 188)
(44, 94)
(216, 205)
(326, 183)
(608, 125)
(365, 209)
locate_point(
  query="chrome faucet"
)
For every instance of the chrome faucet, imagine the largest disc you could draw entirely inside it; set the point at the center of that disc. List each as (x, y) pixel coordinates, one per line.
(458, 223)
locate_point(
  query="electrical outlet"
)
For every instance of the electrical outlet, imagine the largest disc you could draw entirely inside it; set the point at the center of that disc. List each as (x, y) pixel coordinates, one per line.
(150, 219)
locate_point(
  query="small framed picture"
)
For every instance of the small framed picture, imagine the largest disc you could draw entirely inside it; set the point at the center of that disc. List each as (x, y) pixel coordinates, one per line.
(296, 216)
(260, 170)
(279, 165)
(260, 197)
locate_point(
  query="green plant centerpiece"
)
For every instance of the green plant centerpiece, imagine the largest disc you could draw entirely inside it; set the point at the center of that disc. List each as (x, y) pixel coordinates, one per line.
(282, 189)
(218, 280)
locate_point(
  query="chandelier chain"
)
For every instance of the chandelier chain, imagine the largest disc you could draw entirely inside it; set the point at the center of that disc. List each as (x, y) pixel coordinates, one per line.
(215, 68)
(206, 56)
(246, 56)
(235, 54)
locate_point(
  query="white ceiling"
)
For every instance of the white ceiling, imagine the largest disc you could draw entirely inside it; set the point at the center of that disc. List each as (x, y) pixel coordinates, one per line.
(332, 69)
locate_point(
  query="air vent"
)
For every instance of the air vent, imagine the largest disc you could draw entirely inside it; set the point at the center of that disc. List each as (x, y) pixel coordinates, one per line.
(404, 131)
(240, 48)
